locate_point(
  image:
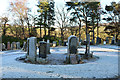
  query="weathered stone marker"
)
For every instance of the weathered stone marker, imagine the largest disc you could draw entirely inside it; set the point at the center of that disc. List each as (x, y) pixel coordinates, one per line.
(3, 46)
(72, 50)
(13, 45)
(54, 43)
(18, 45)
(32, 49)
(72, 44)
(24, 46)
(42, 49)
(8, 46)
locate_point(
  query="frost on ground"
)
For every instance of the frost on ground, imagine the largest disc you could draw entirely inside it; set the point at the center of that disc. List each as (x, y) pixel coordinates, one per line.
(106, 66)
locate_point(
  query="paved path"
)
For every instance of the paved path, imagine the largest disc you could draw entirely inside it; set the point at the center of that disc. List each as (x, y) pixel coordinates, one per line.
(105, 66)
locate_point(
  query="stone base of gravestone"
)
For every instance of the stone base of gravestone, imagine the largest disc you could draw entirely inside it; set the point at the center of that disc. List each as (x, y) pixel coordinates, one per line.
(41, 60)
(72, 59)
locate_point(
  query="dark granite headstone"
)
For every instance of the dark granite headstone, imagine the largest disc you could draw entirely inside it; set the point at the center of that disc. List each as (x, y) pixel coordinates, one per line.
(42, 49)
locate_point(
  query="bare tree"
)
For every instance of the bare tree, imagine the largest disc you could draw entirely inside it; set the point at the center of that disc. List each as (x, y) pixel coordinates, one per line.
(62, 20)
(20, 9)
(4, 21)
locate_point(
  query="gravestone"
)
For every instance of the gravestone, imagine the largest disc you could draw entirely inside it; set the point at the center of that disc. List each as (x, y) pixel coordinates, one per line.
(54, 43)
(24, 46)
(8, 46)
(72, 50)
(60, 43)
(113, 40)
(42, 49)
(32, 49)
(88, 45)
(118, 43)
(13, 45)
(72, 44)
(18, 45)
(3, 47)
(107, 40)
(48, 47)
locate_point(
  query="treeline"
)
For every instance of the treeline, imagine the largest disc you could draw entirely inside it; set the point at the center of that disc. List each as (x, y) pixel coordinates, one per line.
(75, 18)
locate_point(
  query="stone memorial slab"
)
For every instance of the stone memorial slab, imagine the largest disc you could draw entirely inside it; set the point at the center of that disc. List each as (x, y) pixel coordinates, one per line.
(8, 46)
(42, 49)
(72, 45)
(24, 48)
(18, 45)
(3, 46)
(13, 45)
(72, 50)
(32, 49)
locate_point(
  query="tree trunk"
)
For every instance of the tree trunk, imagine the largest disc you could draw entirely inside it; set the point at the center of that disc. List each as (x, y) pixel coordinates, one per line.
(93, 31)
(45, 30)
(62, 35)
(86, 52)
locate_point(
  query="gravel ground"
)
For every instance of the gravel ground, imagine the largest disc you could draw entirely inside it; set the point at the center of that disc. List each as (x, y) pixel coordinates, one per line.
(105, 67)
